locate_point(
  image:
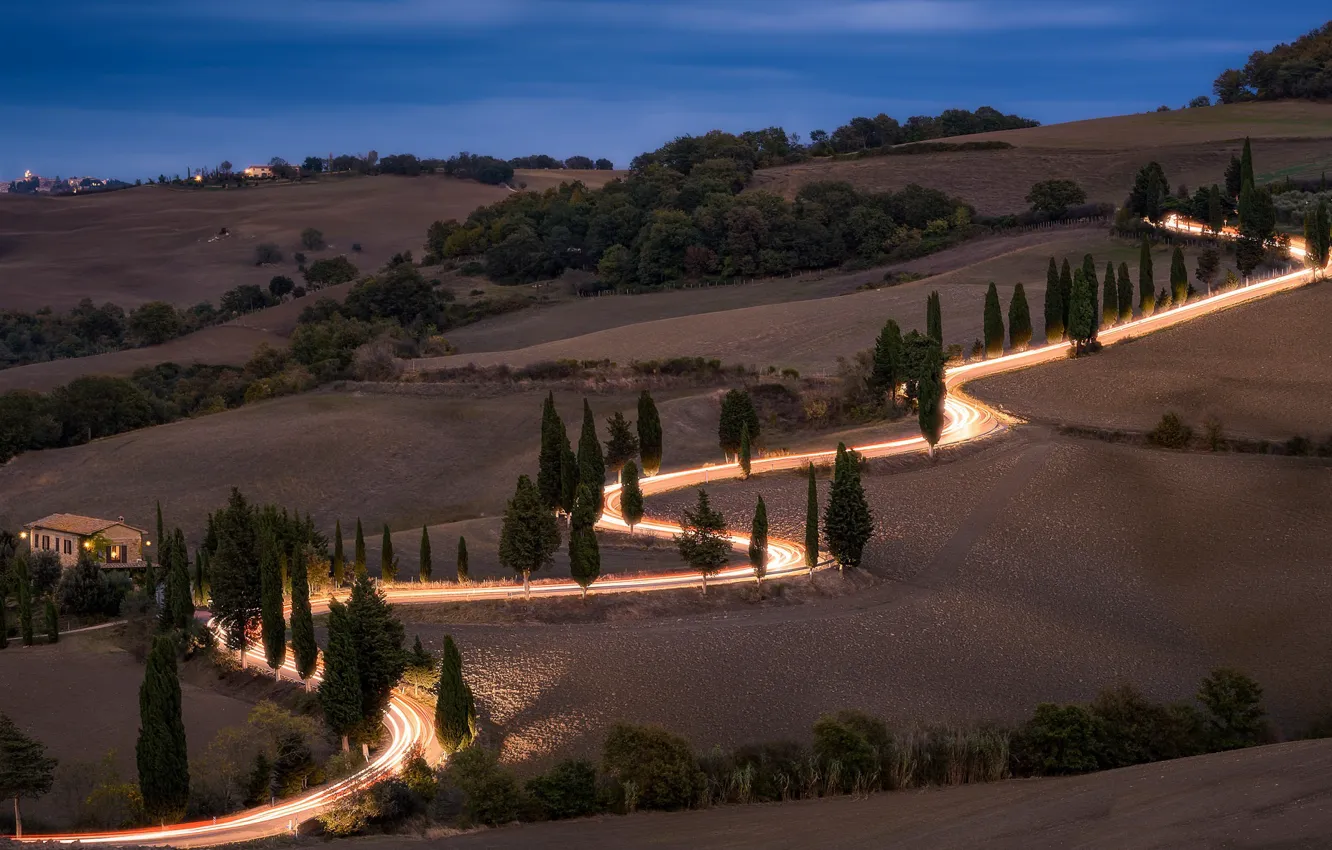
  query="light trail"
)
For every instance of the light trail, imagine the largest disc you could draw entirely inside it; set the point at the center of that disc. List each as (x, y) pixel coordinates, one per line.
(411, 722)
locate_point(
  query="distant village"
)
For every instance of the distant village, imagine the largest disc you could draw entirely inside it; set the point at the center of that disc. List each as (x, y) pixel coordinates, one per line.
(35, 184)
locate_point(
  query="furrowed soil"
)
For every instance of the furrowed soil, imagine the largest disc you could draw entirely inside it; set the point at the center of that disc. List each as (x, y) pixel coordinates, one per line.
(1261, 369)
(1041, 569)
(157, 243)
(1276, 796)
(1193, 146)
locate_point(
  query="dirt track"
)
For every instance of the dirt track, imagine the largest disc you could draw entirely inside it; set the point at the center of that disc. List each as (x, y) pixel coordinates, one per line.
(1270, 797)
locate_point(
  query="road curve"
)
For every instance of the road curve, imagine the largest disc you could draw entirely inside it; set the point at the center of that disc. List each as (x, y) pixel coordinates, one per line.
(409, 721)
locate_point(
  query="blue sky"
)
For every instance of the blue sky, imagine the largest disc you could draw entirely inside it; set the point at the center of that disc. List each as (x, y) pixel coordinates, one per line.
(129, 88)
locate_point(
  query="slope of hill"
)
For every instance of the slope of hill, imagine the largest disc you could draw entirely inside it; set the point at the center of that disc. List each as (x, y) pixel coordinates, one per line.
(152, 242)
(1277, 796)
(1102, 155)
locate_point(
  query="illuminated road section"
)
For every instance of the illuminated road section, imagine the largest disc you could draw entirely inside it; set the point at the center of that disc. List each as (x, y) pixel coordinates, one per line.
(408, 721)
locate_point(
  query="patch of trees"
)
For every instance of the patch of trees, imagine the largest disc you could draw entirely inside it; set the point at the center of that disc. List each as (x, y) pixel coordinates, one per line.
(662, 225)
(885, 131)
(578, 163)
(1302, 69)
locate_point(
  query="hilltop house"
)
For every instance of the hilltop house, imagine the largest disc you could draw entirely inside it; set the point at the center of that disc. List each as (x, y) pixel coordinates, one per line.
(258, 171)
(119, 544)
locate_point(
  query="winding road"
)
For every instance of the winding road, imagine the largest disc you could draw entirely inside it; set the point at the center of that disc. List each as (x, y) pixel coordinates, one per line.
(409, 721)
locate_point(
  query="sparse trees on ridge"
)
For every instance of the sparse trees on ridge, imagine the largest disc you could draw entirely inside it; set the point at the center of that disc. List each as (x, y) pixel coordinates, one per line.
(1019, 320)
(530, 534)
(702, 540)
(994, 323)
(649, 434)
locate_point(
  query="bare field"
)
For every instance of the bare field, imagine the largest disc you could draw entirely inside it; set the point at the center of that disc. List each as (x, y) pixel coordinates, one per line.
(997, 182)
(1259, 368)
(1031, 574)
(151, 243)
(808, 335)
(1277, 796)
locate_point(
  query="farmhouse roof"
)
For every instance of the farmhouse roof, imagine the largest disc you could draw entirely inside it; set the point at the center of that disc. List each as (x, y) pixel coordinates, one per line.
(75, 524)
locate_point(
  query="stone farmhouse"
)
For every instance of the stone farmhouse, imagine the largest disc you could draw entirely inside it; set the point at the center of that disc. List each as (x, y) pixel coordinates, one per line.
(117, 544)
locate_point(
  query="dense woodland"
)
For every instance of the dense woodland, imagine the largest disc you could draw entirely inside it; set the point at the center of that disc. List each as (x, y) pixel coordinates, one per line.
(1302, 69)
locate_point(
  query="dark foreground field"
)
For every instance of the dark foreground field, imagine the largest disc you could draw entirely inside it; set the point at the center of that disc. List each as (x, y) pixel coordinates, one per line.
(1269, 797)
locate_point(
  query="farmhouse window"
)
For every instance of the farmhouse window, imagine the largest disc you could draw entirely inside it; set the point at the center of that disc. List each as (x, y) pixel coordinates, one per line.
(46, 541)
(115, 555)
(69, 547)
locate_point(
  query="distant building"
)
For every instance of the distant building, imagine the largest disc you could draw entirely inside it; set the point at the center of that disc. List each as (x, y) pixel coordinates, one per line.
(258, 171)
(118, 544)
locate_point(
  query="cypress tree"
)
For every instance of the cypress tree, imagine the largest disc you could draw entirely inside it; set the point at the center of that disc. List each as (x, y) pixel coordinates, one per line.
(529, 535)
(339, 560)
(930, 398)
(621, 443)
(847, 522)
(1146, 280)
(358, 565)
(1054, 305)
(591, 463)
(304, 650)
(271, 618)
(812, 523)
(1065, 291)
(886, 373)
(584, 554)
(631, 496)
(1125, 294)
(1216, 219)
(737, 413)
(649, 434)
(1318, 238)
(702, 540)
(201, 576)
(1019, 320)
(379, 640)
(160, 753)
(25, 768)
(151, 577)
(569, 475)
(758, 542)
(340, 689)
(234, 571)
(1080, 328)
(1179, 278)
(388, 562)
(462, 559)
(425, 554)
(994, 323)
(179, 602)
(4, 617)
(1110, 298)
(934, 318)
(455, 709)
(744, 450)
(552, 446)
(52, 621)
(1246, 166)
(25, 602)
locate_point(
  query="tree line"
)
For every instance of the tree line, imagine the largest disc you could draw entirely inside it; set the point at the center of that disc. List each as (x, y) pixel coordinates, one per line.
(1295, 70)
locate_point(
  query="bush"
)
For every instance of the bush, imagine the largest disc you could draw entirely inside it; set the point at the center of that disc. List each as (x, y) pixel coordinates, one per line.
(1236, 717)
(1136, 730)
(1171, 433)
(568, 790)
(1060, 739)
(266, 253)
(43, 572)
(86, 590)
(661, 767)
(1213, 435)
(490, 793)
(376, 361)
(854, 742)
(312, 239)
(350, 815)
(330, 271)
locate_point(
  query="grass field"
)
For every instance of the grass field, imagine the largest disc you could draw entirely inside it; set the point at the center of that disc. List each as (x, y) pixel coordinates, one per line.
(1102, 155)
(1261, 369)
(1270, 796)
(783, 329)
(151, 242)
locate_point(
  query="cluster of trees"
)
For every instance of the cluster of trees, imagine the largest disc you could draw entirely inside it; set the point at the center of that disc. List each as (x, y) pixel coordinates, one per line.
(885, 131)
(684, 218)
(576, 163)
(1302, 69)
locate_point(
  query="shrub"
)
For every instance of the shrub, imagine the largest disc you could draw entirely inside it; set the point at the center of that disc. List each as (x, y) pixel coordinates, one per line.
(1137, 730)
(490, 793)
(1060, 739)
(312, 239)
(1236, 717)
(660, 766)
(854, 741)
(568, 790)
(1300, 446)
(350, 815)
(86, 590)
(418, 776)
(376, 361)
(266, 253)
(330, 271)
(1213, 434)
(1171, 433)
(43, 572)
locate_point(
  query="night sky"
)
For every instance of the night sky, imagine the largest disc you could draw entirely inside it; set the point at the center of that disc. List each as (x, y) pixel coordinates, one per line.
(128, 88)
